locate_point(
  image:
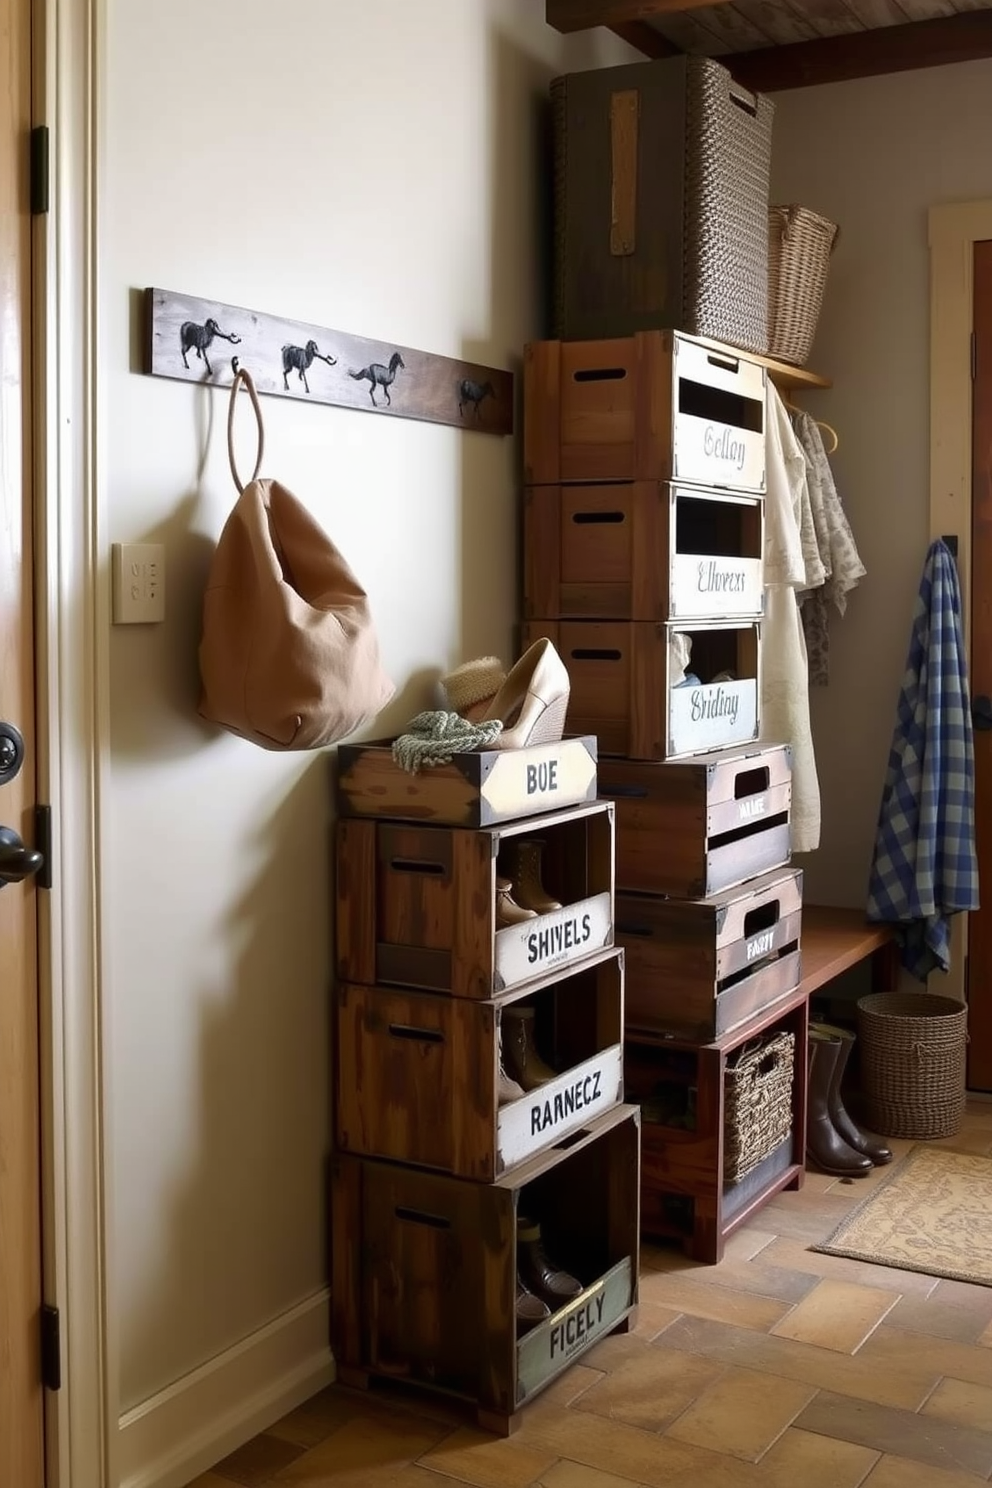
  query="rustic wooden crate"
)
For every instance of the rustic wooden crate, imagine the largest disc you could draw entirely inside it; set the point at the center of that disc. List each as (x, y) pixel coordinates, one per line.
(654, 406)
(647, 550)
(424, 1267)
(416, 904)
(416, 1072)
(692, 828)
(619, 673)
(683, 1193)
(701, 967)
(474, 790)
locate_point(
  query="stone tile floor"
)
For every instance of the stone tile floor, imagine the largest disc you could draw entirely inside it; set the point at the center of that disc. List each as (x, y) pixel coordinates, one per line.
(779, 1368)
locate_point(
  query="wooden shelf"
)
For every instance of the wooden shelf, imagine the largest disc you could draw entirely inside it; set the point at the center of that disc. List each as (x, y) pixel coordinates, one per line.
(783, 375)
(834, 940)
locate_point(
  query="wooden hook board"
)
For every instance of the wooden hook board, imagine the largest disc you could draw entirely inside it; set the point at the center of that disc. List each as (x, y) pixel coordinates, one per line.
(197, 340)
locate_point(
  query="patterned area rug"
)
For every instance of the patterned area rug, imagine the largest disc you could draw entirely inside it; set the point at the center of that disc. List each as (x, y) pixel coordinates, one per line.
(933, 1213)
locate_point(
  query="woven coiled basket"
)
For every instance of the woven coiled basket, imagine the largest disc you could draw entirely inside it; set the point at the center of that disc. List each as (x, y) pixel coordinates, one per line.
(913, 1063)
(800, 243)
(757, 1103)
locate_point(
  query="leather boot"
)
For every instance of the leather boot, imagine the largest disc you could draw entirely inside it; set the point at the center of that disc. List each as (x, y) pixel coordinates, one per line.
(825, 1147)
(523, 1062)
(506, 1089)
(530, 1309)
(508, 911)
(524, 862)
(554, 1286)
(839, 1115)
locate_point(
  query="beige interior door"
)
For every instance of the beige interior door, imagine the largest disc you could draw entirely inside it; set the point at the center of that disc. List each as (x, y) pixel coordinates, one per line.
(980, 925)
(21, 1396)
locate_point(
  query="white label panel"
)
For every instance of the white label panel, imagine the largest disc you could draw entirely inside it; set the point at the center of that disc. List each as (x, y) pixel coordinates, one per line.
(559, 1107)
(538, 946)
(550, 1348)
(546, 777)
(712, 716)
(716, 587)
(713, 454)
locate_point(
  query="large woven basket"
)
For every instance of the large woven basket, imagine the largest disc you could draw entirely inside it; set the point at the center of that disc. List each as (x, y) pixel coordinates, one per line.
(800, 243)
(757, 1103)
(913, 1063)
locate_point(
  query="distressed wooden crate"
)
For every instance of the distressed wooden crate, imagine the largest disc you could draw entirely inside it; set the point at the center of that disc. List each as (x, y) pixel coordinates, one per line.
(621, 690)
(680, 1086)
(415, 904)
(647, 550)
(474, 790)
(424, 1267)
(692, 828)
(701, 967)
(654, 406)
(416, 1073)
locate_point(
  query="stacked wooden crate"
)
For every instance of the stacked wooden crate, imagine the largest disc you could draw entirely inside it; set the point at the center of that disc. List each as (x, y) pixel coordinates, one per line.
(643, 526)
(434, 1165)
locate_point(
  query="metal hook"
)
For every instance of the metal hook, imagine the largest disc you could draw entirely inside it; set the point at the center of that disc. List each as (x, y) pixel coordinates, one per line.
(235, 365)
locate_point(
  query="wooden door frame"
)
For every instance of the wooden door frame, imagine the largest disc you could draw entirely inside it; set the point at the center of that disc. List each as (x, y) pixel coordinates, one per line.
(954, 230)
(72, 628)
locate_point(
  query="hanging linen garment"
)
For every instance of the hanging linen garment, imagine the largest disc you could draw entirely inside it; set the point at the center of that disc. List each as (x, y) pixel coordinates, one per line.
(924, 867)
(837, 550)
(784, 670)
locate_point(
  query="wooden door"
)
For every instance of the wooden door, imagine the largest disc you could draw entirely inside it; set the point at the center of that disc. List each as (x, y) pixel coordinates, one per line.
(21, 1398)
(980, 923)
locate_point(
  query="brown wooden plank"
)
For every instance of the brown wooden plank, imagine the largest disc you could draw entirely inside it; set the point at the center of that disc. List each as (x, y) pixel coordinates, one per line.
(645, 38)
(835, 940)
(580, 15)
(836, 59)
(829, 17)
(624, 109)
(543, 551)
(200, 341)
(979, 990)
(355, 900)
(474, 919)
(346, 1270)
(781, 24)
(542, 412)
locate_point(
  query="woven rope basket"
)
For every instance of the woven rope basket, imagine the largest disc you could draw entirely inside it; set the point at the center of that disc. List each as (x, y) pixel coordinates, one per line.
(728, 160)
(757, 1103)
(800, 243)
(913, 1063)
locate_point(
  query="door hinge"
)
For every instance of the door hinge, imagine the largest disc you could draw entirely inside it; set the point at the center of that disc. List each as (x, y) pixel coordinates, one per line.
(39, 170)
(43, 842)
(51, 1348)
(974, 356)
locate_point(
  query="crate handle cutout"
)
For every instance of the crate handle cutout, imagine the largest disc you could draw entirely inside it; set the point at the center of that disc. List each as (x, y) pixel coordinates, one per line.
(570, 1141)
(415, 865)
(729, 364)
(599, 374)
(623, 792)
(746, 102)
(752, 782)
(417, 1216)
(700, 400)
(596, 653)
(643, 930)
(762, 918)
(582, 518)
(758, 824)
(407, 1031)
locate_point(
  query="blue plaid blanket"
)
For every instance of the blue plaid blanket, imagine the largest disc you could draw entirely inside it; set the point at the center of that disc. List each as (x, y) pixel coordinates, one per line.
(924, 867)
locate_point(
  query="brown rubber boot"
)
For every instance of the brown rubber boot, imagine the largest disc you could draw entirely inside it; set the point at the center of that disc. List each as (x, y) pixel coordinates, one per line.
(507, 1089)
(508, 911)
(825, 1147)
(524, 866)
(839, 1114)
(530, 1309)
(545, 1280)
(523, 1062)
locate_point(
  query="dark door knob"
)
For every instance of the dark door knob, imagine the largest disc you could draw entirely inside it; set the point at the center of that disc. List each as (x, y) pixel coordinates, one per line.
(981, 713)
(17, 862)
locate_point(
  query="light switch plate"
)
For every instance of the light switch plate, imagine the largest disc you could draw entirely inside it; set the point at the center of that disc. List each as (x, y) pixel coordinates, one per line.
(138, 573)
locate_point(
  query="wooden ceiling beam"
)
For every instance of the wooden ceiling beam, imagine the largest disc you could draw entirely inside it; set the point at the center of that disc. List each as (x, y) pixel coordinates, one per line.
(580, 15)
(646, 39)
(966, 37)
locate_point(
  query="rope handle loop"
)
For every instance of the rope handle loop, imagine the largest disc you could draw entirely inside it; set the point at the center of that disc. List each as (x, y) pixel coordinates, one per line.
(241, 376)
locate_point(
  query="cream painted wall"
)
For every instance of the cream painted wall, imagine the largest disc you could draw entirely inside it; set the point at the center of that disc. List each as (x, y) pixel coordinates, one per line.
(368, 167)
(874, 156)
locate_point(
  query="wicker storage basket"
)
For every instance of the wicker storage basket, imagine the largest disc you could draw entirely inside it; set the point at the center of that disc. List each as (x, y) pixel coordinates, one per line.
(757, 1103)
(661, 202)
(800, 243)
(913, 1063)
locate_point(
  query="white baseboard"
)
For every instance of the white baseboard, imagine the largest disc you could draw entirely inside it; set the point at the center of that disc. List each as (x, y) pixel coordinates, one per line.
(170, 1439)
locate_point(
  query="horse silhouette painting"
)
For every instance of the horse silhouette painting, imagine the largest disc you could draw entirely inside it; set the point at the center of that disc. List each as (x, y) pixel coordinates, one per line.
(193, 337)
(471, 394)
(299, 359)
(376, 375)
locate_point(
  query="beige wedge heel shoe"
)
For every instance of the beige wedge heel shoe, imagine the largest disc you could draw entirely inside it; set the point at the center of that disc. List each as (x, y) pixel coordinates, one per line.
(533, 701)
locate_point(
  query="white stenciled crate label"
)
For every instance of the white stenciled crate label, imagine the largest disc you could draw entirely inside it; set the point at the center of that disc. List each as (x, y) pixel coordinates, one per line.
(716, 586)
(715, 454)
(534, 947)
(547, 1350)
(712, 716)
(546, 777)
(559, 1107)
(759, 945)
(753, 807)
